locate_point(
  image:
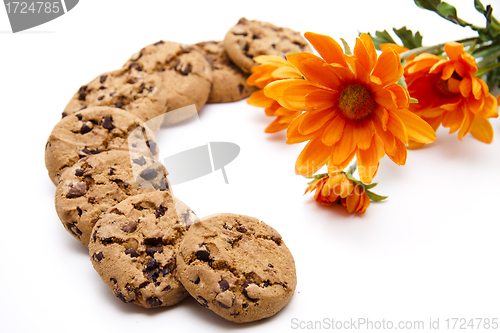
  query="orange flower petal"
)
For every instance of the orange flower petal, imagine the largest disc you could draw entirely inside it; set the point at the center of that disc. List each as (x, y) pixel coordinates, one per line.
(333, 130)
(327, 47)
(388, 67)
(447, 71)
(312, 158)
(290, 93)
(370, 47)
(453, 119)
(383, 115)
(335, 168)
(417, 129)
(293, 135)
(313, 70)
(314, 120)
(386, 137)
(397, 127)
(465, 87)
(368, 160)
(399, 95)
(481, 129)
(399, 157)
(363, 134)
(352, 203)
(423, 62)
(398, 48)
(275, 126)
(466, 124)
(345, 146)
(454, 50)
(258, 98)
(363, 56)
(321, 98)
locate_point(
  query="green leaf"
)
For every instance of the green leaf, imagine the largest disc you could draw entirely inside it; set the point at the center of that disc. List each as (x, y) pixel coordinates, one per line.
(449, 12)
(380, 38)
(375, 197)
(413, 100)
(428, 4)
(486, 69)
(347, 49)
(369, 186)
(479, 7)
(409, 40)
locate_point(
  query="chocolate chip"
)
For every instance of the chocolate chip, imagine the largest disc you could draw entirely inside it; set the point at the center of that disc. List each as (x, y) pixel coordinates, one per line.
(77, 190)
(121, 297)
(255, 36)
(130, 227)
(167, 288)
(149, 174)
(74, 229)
(151, 263)
(140, 160)
(64, 114)
(79, 172)
(163, 185)
(79, 116)
(82, 97)
(153, 301)
(165, 271)
(184, 70)
(270, 265)
(79, 211)
(113, 280)
(152, 146)
(245, 285)
(136, 66)
(203, 255)
(153, 241)
(197, 280)
(86, 127)
(276, 239)
(152, 250)
(160, 211)
(244, 305)
(98, 256)
(153, 274)
(224, 285)
(131, 252)
(202, 301)
(241, 229)
(222, 305)
(107, 123)
(142, 87)
(103, 78)
(119, 105)
(159, 43)
(240, 88)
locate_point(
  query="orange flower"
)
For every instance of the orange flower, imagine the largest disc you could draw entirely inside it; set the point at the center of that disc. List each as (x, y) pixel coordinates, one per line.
(332, 189)
(449, 94)
(272, 68)
(353, 107)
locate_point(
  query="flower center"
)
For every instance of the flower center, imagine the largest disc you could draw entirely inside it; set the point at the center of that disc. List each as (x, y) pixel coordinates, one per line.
(356, 101)
(447, 88)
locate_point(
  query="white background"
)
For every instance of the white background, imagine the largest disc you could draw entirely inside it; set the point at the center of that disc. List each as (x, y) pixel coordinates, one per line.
(431, 251)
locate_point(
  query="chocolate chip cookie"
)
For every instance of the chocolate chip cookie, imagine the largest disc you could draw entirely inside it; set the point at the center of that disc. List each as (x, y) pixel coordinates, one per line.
(140, 93)
(236, 266)
(92, 131)
(97, 182)
(229, 81)
(134, 247)
(185, 72)
(248, 39)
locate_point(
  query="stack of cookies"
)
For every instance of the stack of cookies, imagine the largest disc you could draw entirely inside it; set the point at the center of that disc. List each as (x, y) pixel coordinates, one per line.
(114, 196)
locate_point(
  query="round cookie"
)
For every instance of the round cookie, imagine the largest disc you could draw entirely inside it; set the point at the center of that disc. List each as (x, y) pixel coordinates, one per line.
(140, 93)
(92, 131)
(185, 72)
(248, 39)
(97, 182)
(236, 266)
(229, 82)
(134, 247)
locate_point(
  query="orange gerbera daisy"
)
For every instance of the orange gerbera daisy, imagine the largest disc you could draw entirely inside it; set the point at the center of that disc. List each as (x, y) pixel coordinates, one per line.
(338, 188)
(353, 107)
(272, 68)
(449, 94)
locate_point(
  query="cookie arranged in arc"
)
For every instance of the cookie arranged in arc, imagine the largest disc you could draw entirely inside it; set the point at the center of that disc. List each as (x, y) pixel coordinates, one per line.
(229, 81)
(134, 247)
(237, 266)
(140, 93)
(92, 131)
(248, 39)
(97, 182)
(186, 74)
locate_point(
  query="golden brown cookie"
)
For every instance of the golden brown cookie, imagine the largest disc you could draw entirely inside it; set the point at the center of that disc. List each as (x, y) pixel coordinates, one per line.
(229, 81)
(97, 182)
(134, 247)
(140, 93)
(92, 131)
(185, 72)
(248, 39)
(237, 266)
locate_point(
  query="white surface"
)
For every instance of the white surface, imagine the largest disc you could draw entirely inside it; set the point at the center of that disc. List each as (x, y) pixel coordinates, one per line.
(431, 251)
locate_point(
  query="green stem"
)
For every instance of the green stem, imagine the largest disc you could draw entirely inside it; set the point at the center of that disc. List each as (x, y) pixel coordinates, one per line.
(437, 47)
(488, 59)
